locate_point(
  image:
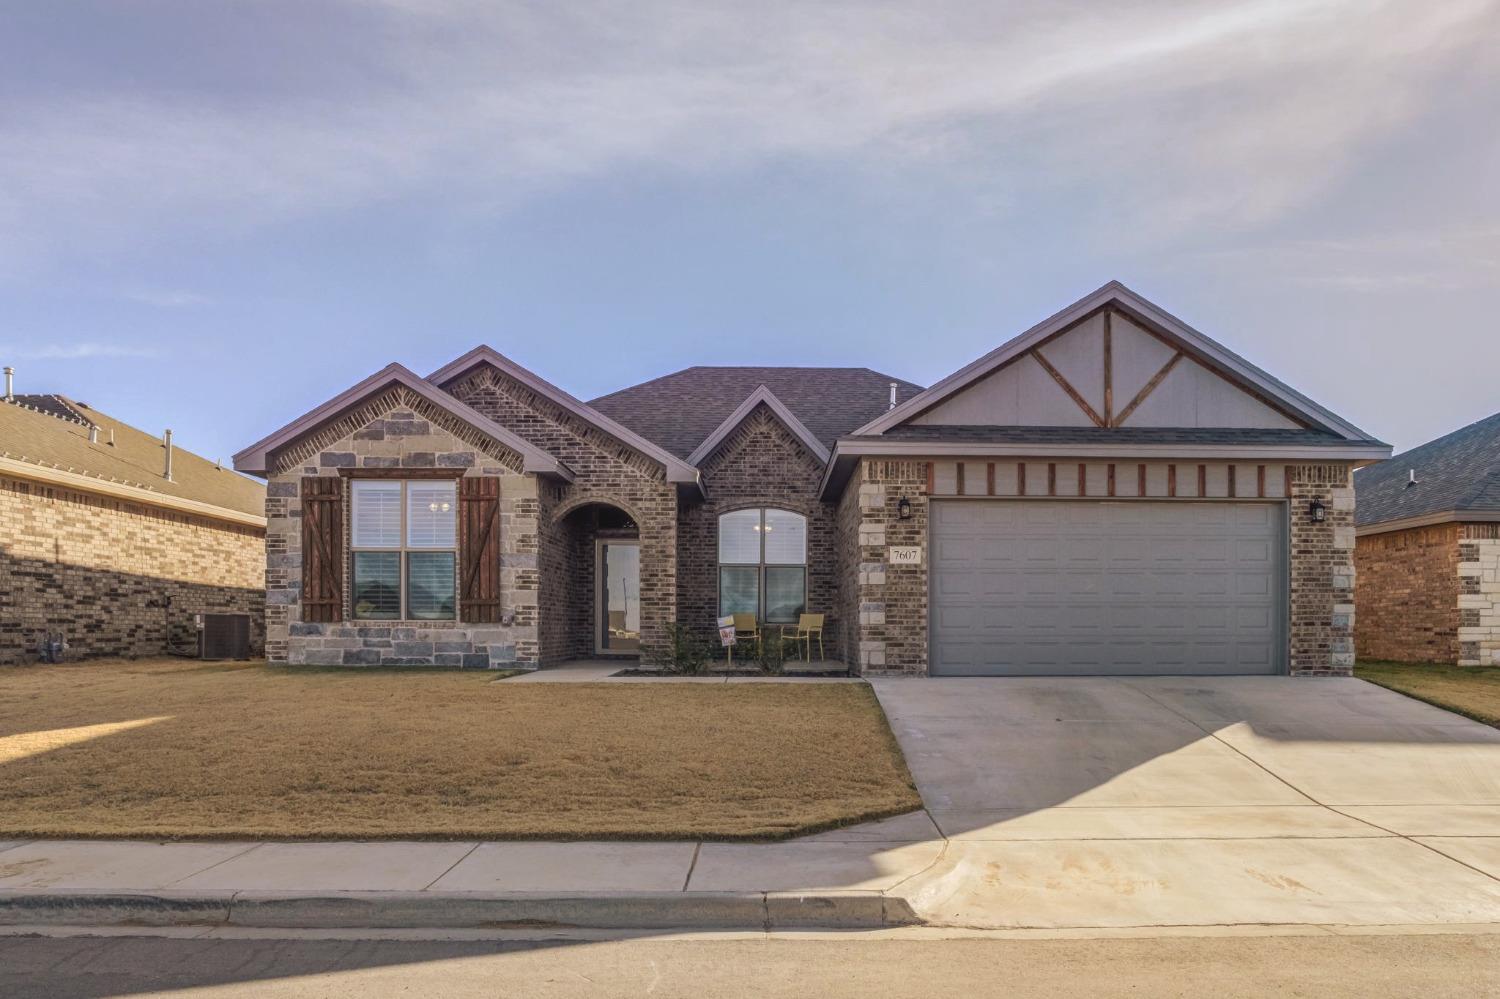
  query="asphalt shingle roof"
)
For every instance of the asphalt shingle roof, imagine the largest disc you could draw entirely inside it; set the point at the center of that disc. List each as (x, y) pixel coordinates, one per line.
(52, 431)
(679, 411)
(1458, 472)
(1107, 435)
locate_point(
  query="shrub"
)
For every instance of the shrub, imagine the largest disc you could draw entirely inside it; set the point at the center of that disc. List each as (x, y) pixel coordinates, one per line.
(683, 653)
(771, 657)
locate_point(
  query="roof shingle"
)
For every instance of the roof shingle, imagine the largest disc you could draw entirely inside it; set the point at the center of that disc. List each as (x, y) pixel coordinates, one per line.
(1460, 472)
(52, 431)
(678, 411)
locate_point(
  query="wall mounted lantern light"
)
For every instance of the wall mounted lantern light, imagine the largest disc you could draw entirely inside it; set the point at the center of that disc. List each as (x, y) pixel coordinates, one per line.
(903, 508)
(1317, 512)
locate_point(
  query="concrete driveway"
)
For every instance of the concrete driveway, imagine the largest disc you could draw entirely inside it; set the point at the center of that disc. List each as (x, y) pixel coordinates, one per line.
(1199, 801)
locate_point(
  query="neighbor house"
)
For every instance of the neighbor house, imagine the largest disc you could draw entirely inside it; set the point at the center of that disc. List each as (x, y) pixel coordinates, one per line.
(1428, 551)
(1109, 492)
(114, 540)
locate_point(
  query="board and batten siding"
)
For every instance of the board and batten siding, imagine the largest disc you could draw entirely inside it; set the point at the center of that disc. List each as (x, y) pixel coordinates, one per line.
(1108, 479)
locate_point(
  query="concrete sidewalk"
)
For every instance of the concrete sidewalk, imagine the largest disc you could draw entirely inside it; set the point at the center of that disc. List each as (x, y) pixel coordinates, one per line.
(846, 878)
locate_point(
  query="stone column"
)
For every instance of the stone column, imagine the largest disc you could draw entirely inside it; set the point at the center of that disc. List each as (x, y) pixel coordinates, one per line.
(1321, 627)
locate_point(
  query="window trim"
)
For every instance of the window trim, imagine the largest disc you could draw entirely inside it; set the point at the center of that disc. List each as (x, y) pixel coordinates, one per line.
(404, 548)
(761, 565)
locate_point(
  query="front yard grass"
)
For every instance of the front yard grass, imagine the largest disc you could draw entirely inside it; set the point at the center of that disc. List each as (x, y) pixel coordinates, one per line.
(1472, 691)
(193, 750)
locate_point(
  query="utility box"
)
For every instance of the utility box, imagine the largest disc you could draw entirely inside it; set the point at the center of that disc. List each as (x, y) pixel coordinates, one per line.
(223, 636)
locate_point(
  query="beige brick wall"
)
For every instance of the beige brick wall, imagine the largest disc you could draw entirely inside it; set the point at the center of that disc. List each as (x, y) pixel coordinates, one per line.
(102, 571)
(1479, 595)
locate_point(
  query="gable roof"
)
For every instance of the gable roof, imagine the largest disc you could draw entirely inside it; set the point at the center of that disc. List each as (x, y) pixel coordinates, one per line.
(1457, 475)
(46, 437)
(677, 469)
(253, 459)
(762, 396)
(1193, 343)
(682, 410)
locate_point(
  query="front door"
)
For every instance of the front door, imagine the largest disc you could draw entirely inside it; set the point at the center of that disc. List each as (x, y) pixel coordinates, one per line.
(619, 596)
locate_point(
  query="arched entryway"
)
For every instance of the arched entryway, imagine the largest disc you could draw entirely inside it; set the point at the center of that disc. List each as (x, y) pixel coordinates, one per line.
(596, 607)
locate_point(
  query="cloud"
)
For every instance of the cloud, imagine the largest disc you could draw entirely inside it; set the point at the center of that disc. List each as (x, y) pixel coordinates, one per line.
(1446, 259)
(167, 298)
(76, 351)
(1175, 115)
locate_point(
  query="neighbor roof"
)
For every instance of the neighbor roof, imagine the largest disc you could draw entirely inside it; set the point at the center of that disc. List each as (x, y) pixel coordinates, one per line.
(681, 410)
(1456, 474)
(47, 437)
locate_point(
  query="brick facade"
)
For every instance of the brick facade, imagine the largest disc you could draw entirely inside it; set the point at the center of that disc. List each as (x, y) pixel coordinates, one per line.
(1320, 629)
(607, 471)
(885, 606)
(760, 464)
(1430, 594)
(1407, 592)
(392, 431)
(113, 575)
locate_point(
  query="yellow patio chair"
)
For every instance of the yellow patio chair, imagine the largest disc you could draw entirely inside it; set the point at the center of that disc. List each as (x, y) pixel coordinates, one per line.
(808, 626)
(746, 629)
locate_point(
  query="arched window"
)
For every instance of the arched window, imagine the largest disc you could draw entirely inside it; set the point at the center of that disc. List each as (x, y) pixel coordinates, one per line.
(763, 564)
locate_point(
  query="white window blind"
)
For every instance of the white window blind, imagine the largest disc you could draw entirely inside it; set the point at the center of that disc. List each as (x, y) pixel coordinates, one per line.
(376, 520)
(431, 514)
(786, 538)
(739, 538)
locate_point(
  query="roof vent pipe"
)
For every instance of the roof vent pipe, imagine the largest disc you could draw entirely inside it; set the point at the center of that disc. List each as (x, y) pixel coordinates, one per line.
(893, 397)
(10, 383)
(166, 442)
(1411, 478)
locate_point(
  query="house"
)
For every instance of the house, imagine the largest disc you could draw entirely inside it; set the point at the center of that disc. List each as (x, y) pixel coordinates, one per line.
(1428, 551)
(114, 539)
(1109, 492)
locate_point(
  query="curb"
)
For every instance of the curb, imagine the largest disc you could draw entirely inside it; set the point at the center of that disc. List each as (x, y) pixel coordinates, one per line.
(463, 910)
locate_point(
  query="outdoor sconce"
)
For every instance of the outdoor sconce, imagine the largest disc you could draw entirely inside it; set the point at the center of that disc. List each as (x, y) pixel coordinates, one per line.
(1317, 512)
(903, 508)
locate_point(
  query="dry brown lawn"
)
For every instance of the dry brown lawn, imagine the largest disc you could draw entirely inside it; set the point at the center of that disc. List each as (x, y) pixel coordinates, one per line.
(184, 749)
(1472, 691)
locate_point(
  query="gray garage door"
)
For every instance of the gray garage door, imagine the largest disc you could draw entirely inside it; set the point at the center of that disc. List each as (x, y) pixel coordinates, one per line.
(1057, 587)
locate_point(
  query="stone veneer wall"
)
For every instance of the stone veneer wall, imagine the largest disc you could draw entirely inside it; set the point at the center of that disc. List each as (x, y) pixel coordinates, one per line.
(891, 601)
(1407, 592)
(761, 464)
(99, 569)
(606, 470)
(400, 430)
(1479, 595)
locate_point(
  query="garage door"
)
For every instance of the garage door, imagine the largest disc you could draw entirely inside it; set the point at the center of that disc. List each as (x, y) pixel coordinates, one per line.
(1061, 587)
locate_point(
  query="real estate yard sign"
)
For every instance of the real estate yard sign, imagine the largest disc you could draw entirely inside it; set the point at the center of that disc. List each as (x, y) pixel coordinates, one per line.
(726, 631)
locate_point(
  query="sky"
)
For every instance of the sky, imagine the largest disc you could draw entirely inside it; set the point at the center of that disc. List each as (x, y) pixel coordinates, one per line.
(215, 216)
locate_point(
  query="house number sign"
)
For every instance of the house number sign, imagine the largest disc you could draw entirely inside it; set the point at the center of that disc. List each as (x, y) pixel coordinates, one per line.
(905, 556)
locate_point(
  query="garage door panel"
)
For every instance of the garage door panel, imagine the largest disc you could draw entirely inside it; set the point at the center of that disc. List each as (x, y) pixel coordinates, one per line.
(1049, 587)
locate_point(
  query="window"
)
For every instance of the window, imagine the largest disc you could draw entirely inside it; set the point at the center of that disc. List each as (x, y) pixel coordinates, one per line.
(763, 564)
(405, 545)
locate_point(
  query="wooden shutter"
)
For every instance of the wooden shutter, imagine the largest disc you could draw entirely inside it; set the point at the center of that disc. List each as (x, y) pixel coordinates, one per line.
(479, 549)
(322, 549)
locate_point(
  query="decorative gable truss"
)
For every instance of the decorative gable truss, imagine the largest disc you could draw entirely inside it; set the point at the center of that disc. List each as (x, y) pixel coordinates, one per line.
(1113, 360)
